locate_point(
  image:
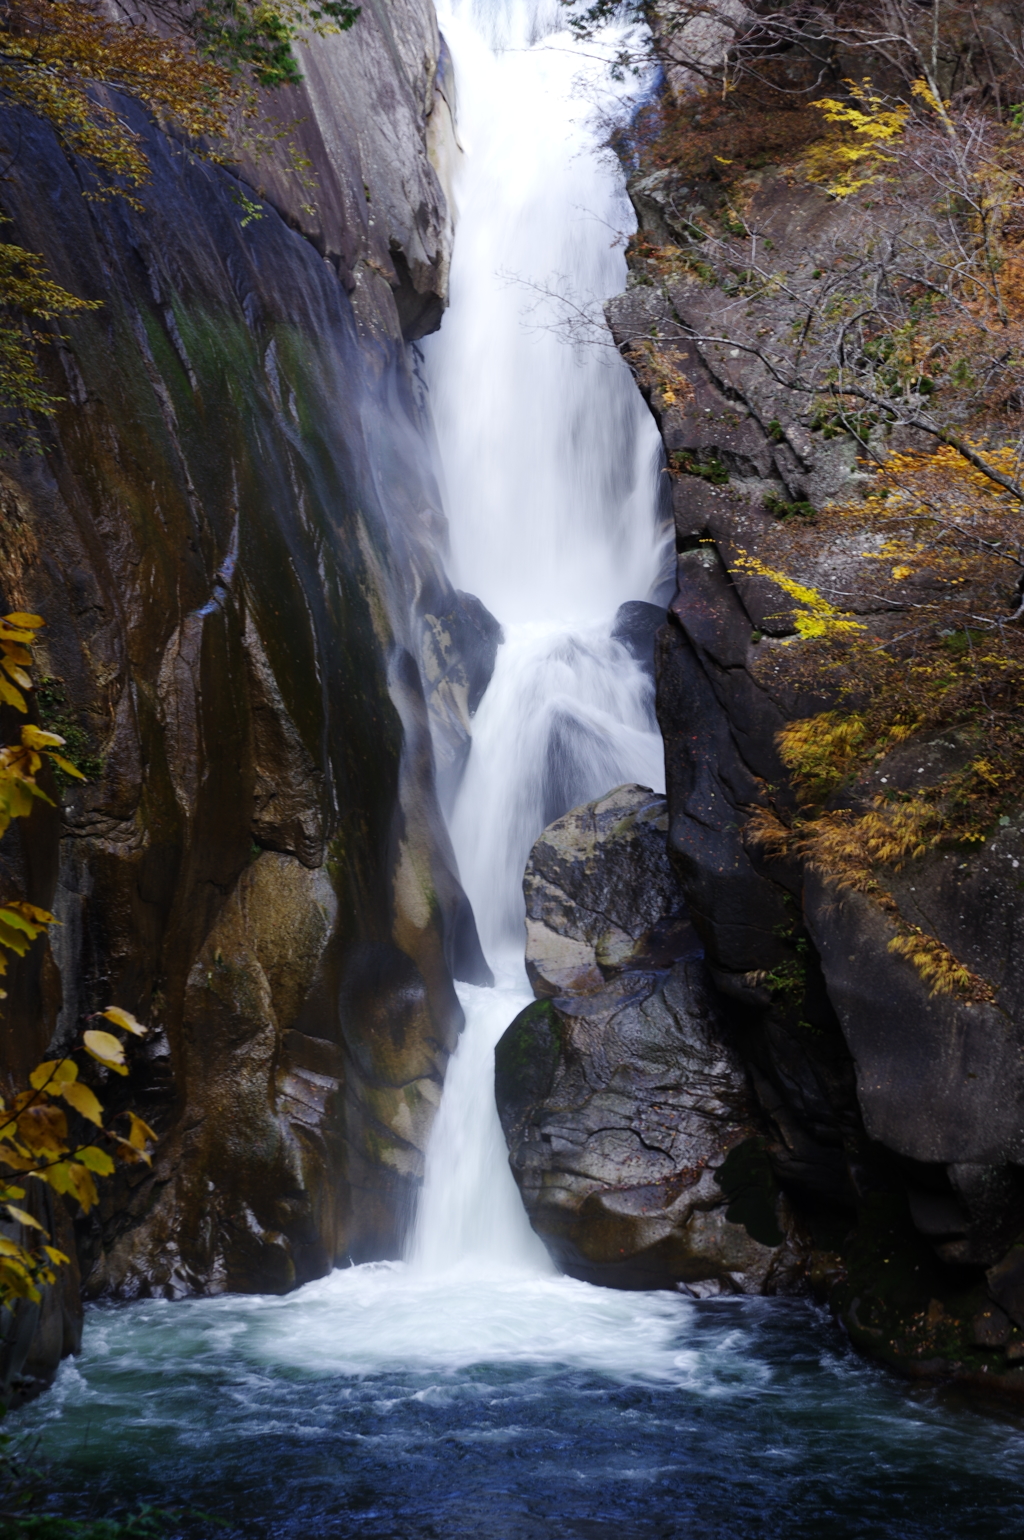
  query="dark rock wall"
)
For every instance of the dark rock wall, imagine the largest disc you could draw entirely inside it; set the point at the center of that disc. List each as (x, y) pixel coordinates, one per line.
(893, 1119)
(232, 535)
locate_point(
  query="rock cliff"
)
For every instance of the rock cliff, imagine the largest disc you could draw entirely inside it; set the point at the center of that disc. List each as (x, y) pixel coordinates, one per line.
(232, 535)
(893, 1116)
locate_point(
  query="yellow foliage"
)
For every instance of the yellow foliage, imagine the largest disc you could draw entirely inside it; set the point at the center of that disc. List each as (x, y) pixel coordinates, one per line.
(820, 749)
(938, 967)
(816, 617)
(847, 849)
(855, 156)
(35, 1135)
(35, 1140)
(53, 54)
(654, 369)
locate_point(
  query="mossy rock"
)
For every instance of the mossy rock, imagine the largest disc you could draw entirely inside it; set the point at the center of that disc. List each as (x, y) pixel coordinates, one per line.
(525, 1061)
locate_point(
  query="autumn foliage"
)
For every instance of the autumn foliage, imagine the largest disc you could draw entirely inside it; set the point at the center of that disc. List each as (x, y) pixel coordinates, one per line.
(934, 661)
(44, 1132)
(198, 71)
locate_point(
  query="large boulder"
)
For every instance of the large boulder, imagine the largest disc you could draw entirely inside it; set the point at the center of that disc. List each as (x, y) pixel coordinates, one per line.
(601, 895)
(622, 1092)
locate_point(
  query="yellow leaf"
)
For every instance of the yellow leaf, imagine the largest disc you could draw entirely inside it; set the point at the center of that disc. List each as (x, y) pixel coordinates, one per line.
(11, 916)
(83, 1187)
(57, 1176)
(23, 1218)
(14, 940)
(52, 1074)
(95, 1159)
(124, 1019)
(105, 1048)
(24, 621)
(12, 696)
(15, 1282)
(56, 1257)
(17, 674)
(36, 738)
(65, 765)
(9, 1248)
(33, 912)
(141, 1133)
(129, 1153)
(43, 1130)
(82, 1099)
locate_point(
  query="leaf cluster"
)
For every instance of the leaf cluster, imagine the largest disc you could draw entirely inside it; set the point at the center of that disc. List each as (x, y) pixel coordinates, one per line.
(260, 38)
(57, 58)
(36, 1138)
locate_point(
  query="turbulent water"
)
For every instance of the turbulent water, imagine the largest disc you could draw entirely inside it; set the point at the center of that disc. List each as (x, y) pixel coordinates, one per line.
(376, 1405)
(472, 1391)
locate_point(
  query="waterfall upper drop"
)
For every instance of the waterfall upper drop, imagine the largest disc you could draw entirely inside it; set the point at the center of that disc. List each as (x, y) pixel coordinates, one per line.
(550, 460)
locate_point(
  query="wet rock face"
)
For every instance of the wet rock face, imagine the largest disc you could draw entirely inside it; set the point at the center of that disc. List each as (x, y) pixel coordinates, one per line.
(636, 626)
(231, 534)
(374, 118)
(460, 643)
(623, 1096)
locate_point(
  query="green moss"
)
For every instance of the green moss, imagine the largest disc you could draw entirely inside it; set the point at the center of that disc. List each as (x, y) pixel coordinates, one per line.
(57, 716)
(780, 509)
(689, 463)
(526, 1057)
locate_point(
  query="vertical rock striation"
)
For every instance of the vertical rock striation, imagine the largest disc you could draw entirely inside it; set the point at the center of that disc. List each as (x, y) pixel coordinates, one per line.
(232, 535)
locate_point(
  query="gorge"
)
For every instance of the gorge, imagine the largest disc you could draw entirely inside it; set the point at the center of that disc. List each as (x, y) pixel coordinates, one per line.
(367, 612)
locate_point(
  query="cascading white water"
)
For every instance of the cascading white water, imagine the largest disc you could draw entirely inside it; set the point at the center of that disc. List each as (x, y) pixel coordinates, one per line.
(550, 464)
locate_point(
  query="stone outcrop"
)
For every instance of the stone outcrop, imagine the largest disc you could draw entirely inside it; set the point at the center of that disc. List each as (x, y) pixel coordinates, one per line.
(374, 121)
(460, 644)
(232, 536)
(893, 1118)
(601, 896)
(622, 1090)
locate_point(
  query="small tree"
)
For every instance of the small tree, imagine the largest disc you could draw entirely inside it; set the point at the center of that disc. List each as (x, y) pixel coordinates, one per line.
(44, 1128)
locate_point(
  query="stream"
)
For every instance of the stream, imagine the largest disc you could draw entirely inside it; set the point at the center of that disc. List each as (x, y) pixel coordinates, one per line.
(470, 1390)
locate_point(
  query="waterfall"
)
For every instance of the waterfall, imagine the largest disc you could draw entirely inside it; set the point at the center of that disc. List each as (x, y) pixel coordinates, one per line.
(550, 464)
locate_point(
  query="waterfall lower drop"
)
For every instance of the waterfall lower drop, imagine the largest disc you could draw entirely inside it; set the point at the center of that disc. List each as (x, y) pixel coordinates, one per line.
(550, 464)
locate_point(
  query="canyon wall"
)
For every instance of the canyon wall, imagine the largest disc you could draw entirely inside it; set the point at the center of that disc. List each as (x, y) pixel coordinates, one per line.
(881, 1138)
(232, 533)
